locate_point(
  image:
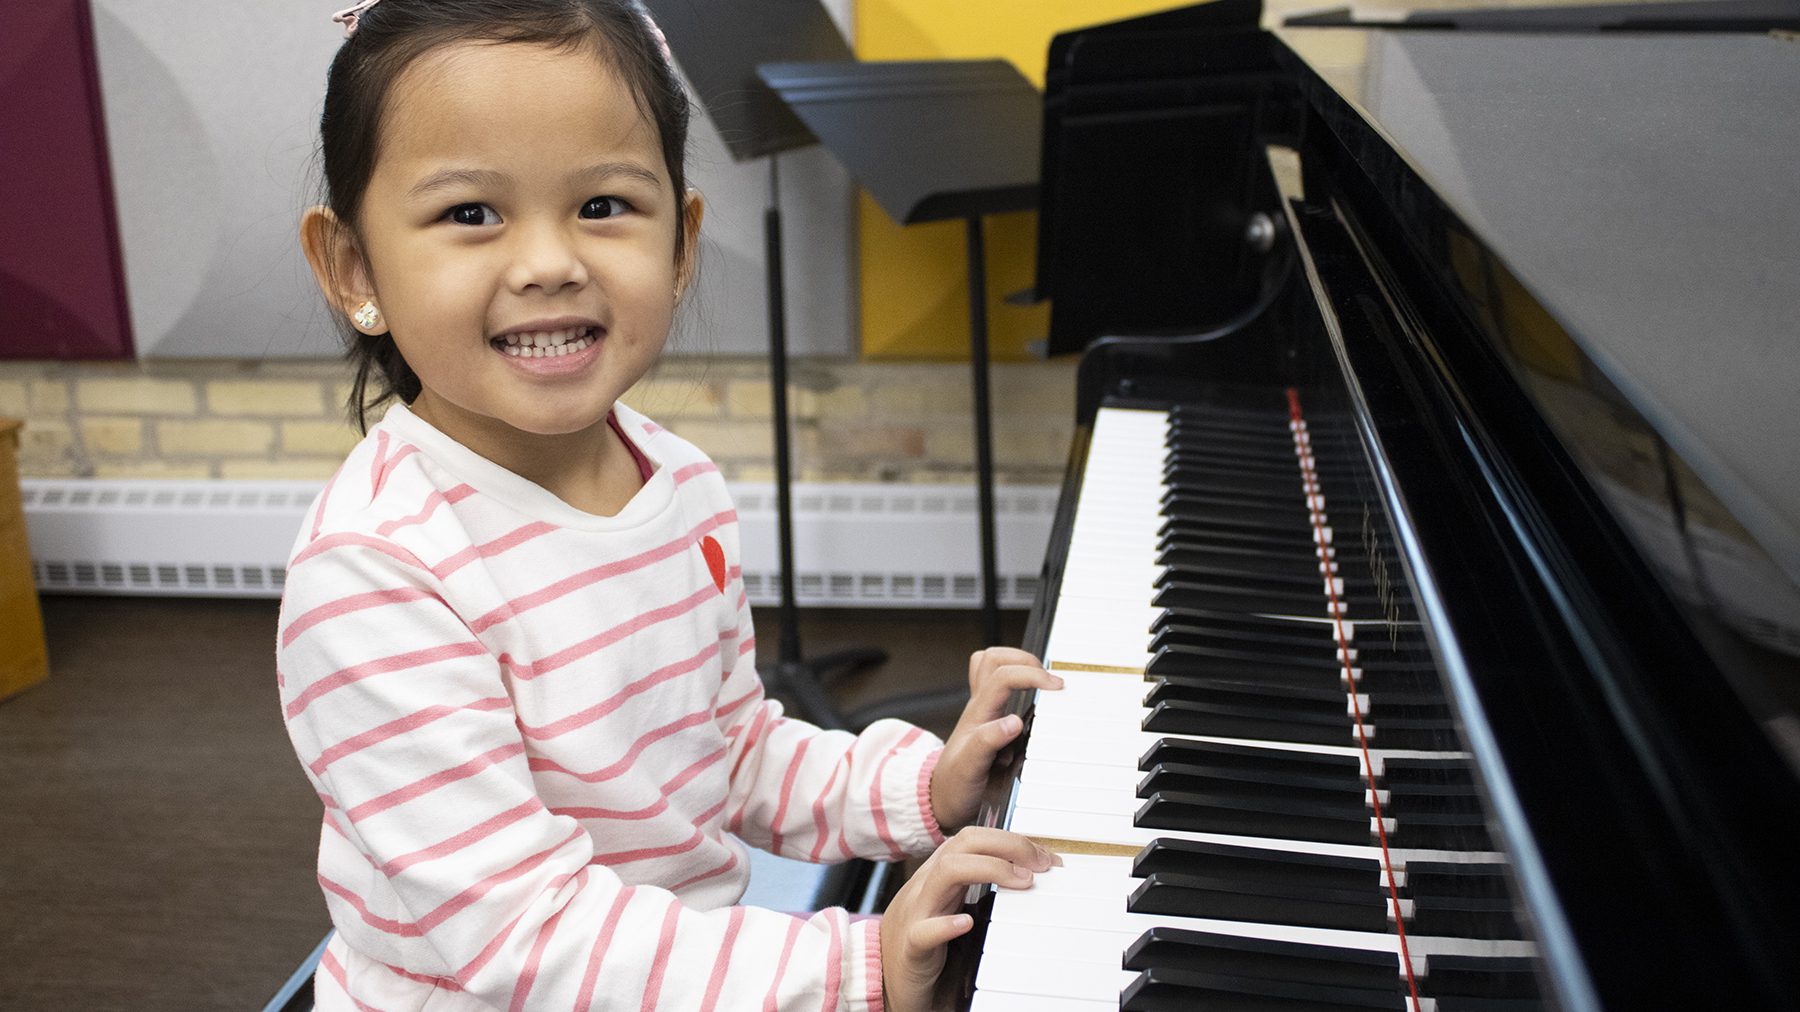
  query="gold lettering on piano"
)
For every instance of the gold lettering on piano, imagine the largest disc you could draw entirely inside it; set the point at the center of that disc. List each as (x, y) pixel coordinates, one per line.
(1378, 570)
(1059, 846)
(1102, 669)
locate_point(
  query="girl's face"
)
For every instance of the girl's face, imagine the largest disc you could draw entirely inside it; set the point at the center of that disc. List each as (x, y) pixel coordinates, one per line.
(519, 236)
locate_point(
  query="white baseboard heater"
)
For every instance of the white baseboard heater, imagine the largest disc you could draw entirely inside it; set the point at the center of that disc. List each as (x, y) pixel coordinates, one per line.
(856, 545)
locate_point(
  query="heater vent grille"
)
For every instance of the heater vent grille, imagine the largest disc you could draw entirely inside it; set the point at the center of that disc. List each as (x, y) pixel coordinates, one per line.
(858, 545)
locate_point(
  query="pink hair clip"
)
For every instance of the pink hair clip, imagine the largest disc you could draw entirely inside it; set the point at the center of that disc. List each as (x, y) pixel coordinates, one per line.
(662, 41)
(350, 16)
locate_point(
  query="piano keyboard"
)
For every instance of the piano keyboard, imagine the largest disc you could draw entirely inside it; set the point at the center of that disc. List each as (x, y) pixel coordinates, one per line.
(1251, 773)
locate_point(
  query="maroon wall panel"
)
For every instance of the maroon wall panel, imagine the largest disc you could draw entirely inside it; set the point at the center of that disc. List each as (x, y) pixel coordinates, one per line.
(62, 287)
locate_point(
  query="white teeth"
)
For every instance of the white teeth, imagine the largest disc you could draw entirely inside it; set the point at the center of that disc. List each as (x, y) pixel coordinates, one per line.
(548, 344)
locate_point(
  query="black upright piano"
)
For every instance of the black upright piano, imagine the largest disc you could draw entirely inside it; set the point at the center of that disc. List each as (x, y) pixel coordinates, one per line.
(1426, 579)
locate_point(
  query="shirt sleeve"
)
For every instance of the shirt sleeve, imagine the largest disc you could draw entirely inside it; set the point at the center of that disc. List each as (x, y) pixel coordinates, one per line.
(816, 795)
(441, 864)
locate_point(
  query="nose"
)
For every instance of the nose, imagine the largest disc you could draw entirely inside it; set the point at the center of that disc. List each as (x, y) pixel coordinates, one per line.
(545, 257)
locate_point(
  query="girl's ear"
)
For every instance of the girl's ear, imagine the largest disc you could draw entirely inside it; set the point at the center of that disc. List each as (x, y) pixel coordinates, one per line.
(337, 261)
(693, 209)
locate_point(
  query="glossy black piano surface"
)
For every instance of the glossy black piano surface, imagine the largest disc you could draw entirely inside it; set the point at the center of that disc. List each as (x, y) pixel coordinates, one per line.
(1544, 291)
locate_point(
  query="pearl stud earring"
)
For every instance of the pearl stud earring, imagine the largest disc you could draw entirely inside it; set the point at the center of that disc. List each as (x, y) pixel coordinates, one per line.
(367, 316)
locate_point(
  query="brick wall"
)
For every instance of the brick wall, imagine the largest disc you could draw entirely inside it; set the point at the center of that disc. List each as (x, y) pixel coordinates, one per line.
(853, 421)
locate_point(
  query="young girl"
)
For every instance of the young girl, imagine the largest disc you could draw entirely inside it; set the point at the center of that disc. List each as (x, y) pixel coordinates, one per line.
(515, 650)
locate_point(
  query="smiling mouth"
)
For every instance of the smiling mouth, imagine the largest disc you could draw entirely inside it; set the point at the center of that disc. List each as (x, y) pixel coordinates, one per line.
(547, 344)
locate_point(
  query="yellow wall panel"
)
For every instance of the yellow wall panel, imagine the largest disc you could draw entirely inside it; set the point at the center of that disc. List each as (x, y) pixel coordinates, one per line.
(915, 301)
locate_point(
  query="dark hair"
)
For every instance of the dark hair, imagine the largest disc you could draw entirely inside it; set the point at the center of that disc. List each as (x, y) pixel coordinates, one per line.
(394, 33)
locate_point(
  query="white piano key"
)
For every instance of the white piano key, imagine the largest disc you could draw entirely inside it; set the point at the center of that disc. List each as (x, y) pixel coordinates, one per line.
(1023, 973)
(1001, 1001)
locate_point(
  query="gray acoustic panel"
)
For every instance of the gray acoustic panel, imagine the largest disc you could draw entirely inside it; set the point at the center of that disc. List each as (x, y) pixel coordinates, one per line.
(212, 118)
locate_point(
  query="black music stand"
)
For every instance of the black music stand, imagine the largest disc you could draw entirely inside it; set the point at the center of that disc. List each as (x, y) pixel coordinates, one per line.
(719, 43)
(933, 141)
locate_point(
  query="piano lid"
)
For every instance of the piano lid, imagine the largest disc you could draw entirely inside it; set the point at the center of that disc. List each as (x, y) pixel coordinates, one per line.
(1642, 188)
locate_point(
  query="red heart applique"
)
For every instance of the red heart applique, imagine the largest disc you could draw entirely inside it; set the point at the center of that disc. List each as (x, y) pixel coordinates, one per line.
(715, 560)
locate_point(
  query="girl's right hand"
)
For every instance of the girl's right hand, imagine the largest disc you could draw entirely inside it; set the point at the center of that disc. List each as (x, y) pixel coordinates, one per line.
(925, 914)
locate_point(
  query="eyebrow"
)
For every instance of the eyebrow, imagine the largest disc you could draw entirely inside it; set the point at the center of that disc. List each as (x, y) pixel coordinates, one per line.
(491, 180)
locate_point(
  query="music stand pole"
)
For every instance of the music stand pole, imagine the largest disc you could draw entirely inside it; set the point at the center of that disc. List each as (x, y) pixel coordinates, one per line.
(984, 438)
(801, 679)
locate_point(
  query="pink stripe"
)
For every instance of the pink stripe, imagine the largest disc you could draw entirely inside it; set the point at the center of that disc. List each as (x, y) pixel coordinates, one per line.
(932, 829)
(392, 927)
(876, 997)
(748, 645)
(410, 722)
(659, 806)
(651, 428)
(769, 1002)
(319, 510)
(528, 975)
(444, 982)
(843, 842)
(716, 982)
(375, 464)
(877, 809)
(526, 671)
(519, 605)
(624, 762)
(388, 466)
(353, 603)
(473, 834)
(660, 965)
(820, 833)
(582, 718)
(494, 945)
(731, 861)
(787, 792)
(585, 998)
(703, 467)
(503, 543)
(432, 502)
(425, 785)
(757, 725)
(320, 546)
(754, 693)
(619, 857)
(330, 962)
(472, 895)
(834, 966)
(382, 666)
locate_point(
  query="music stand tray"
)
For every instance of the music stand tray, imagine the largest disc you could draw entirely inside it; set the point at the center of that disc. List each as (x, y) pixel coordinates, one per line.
(932, 141)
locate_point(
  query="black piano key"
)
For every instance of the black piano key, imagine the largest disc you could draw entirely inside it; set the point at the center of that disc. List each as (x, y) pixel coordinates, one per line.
(1287, 531)
(1191, 857)
(1331, 795)
(1204, 461)
(1160, 990)
(1185, 594)
(1311, 644)
(1232, 899)
(1286, 565)
(1433, 832)
(1493, 977)
(1206, 952)
(1464, 917)
(1407, 733)
(1267, 815)
(1248, 665)
(1419, 774)
(1440, 878)
(1310, 624)
(1218, 720)
(1184, 752)
(1325, 697)
(1295, 483)
(1253, 578)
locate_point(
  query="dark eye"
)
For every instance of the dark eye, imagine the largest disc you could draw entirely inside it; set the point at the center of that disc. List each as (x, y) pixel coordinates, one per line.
(603, 207)
(473, 214)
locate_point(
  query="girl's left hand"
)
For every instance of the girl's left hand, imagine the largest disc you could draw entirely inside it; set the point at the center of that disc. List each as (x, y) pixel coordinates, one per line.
(962, 770)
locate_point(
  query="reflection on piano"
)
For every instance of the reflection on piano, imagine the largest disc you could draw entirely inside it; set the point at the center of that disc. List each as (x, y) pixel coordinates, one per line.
(1377, 694)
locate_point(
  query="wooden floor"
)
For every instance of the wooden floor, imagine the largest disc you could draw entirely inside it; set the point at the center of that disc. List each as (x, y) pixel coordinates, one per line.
(157, 838)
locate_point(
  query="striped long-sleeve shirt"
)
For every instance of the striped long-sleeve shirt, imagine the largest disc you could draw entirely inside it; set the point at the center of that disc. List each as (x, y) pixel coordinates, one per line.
(536, 732)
